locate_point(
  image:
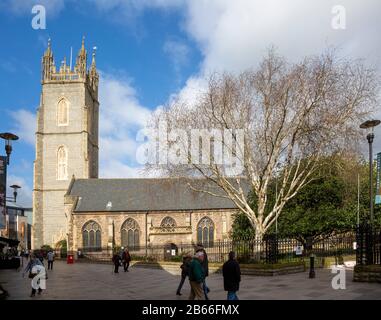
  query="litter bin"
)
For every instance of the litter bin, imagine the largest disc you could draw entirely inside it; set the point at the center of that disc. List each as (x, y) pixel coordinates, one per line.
(70, 259)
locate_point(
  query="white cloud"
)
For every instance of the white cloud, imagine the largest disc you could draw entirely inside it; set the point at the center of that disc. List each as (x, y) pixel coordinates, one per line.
(178, 52)
(25, 125)
(121, 116)
(233, 35)
(117, 169)
(119, 105)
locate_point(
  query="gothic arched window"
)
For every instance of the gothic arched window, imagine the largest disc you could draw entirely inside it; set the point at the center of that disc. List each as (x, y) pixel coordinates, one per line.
(63, 112)
(168, 224)
(205, 232)
(62, 163)
(130, 234)
(91, 236)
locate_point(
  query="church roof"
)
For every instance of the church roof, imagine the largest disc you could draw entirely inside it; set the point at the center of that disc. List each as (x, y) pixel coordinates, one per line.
(172, 194)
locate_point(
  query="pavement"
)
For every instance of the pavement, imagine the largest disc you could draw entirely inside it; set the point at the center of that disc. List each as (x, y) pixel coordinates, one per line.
(80, 281)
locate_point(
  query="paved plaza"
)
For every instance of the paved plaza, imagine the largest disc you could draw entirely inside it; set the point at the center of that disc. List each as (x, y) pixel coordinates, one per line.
(96, 281)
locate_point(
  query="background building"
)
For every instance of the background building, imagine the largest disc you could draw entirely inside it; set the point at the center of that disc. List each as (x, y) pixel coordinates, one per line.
(17, 226)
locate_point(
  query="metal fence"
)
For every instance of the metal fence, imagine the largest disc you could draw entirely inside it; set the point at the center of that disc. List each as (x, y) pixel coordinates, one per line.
(368, 241)
(268, 250)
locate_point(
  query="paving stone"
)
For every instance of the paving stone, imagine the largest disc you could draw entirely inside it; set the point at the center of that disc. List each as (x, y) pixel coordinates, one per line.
(96, 281)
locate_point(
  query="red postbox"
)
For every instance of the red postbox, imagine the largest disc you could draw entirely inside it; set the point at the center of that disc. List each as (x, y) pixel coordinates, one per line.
(70, 259)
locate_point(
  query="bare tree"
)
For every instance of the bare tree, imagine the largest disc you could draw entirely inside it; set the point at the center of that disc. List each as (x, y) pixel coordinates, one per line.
(291, 116)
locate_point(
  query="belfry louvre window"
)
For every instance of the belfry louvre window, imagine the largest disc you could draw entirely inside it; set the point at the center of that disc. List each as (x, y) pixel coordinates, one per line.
(62, 163)
(168, 224)
(205, 232)
(91, 236)
(63, 112)
(130, 234)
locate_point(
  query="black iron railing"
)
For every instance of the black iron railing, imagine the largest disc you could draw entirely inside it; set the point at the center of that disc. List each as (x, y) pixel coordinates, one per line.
(269, 250)
(368, 240)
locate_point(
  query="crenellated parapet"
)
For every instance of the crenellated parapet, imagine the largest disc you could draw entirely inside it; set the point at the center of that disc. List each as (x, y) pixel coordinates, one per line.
(65, 73)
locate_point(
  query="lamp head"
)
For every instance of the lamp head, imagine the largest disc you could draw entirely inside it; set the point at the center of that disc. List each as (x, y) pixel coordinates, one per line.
(8, 137)
(370, 124)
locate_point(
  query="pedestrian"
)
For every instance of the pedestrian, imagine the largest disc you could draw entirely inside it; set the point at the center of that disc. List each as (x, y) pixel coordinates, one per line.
(3, 293)
(50, 256)
(232, 276)
(205, 267)
(116, 260)
(184, 272)
(34, 268)
(126, 258)
(196, 277)
(40, 256)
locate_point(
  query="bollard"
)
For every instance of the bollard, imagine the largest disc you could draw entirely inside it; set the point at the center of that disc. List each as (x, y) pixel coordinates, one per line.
(312, 267)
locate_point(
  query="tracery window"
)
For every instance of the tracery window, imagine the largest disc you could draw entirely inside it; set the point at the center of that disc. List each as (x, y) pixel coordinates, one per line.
(62, 163)
(91, 236)
(63, 112)
(130, 234)
(205, 232)
(168, 224)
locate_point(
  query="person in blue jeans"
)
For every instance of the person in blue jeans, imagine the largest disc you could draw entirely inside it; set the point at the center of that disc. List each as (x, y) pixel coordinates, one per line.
(232, 276)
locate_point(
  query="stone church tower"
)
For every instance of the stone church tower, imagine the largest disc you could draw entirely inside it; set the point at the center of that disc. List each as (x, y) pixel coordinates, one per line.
(66, 141)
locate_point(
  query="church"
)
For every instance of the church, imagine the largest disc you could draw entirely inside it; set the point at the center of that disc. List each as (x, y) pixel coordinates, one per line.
(71, 203)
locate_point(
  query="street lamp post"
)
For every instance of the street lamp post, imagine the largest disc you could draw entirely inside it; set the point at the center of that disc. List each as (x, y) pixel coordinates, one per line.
(370, 124)
(8, 137)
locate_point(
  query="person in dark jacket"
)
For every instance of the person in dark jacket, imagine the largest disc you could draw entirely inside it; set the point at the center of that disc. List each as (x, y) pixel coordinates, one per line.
(184, 272)
(196, 277)
(205, 268)
(126, 258)
(232, 276)
(116, 260)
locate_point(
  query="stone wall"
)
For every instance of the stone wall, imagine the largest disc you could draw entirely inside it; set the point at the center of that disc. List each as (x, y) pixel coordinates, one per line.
(370, 273)
(79, 137)
(184, 233)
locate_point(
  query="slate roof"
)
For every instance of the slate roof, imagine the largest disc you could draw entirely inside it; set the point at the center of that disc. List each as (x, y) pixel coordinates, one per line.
(157, 194)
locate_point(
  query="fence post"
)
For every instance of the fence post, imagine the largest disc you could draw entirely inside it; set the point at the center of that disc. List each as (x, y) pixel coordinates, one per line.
(271, 248)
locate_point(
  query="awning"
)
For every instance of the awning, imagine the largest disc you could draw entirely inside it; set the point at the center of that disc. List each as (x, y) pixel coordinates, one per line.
(11, 242)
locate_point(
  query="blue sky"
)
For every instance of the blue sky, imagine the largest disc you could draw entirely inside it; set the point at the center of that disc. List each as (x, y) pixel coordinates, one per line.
(150, 51)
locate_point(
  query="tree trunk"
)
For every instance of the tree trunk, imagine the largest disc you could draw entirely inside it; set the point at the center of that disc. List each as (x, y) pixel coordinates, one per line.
(258, 243)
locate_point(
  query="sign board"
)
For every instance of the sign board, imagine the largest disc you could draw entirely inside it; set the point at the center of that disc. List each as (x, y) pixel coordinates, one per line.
(3, 189)
(173, 252)
(378, 183)
(298, 250)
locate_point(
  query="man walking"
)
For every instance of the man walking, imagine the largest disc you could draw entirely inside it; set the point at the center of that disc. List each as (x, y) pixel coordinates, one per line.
(50, 259)
(205, 268)
(184, 272)
(196, 277)
(116, 261)
(232, 276)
